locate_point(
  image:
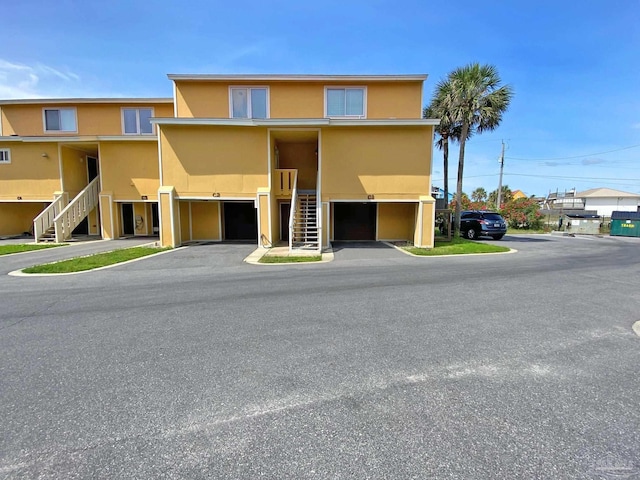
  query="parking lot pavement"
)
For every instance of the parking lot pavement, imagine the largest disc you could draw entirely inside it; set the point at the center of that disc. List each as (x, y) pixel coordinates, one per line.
(196, 365)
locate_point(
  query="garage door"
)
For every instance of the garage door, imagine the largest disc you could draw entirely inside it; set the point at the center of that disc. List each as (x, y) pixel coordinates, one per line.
(354, 221)
(240, 221)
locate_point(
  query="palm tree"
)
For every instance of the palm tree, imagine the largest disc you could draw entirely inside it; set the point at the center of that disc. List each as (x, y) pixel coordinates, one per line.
(479, 195)
(507, 196)
(476, 101)
(447, 129)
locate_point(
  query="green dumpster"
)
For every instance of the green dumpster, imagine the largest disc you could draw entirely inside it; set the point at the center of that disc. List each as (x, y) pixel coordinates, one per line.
(625, 224)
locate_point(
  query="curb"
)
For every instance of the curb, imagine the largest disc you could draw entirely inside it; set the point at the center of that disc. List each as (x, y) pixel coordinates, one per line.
(511, 250)
(20, 273)
(254, 258)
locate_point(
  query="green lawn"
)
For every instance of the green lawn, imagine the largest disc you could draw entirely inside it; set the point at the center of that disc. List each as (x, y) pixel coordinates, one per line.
(81, 264)
(291, 259)
(27, 247)
(457, 246)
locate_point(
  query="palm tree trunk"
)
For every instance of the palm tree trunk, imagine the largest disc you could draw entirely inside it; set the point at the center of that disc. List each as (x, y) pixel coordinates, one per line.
(445, 158)
(463, 140)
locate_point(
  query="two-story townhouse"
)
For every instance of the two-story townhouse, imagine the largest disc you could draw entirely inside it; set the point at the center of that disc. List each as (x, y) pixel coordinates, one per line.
(307, 159)
(79, 165)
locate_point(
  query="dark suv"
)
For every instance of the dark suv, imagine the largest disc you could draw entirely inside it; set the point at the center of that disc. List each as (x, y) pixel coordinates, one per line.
(476, 223)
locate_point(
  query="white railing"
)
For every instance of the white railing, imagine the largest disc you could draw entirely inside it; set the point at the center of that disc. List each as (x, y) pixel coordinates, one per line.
(319, 214)
(292, 210)
(76, 211)
(44, 221)
(285, 179)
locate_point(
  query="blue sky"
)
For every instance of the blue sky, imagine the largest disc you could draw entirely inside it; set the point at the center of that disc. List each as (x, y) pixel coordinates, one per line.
(575, 66)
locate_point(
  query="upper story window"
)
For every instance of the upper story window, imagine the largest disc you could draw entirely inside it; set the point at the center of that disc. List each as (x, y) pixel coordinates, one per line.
(248, 102)
(137, 121)
(5, 155)
(345, 102)
(60, 120)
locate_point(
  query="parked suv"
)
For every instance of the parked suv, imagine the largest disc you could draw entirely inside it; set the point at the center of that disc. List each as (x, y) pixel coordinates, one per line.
(476, 223)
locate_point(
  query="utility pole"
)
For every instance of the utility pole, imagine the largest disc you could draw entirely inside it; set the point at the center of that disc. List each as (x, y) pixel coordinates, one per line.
(500, 181)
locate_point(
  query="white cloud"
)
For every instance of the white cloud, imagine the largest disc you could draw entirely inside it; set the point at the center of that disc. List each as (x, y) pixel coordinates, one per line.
(34, 81)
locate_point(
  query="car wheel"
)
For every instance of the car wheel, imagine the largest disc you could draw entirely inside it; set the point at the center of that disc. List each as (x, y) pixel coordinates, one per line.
(472, 234)
(498, 237)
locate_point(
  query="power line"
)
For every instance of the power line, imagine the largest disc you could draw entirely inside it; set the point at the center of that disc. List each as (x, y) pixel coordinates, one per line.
(577, 156)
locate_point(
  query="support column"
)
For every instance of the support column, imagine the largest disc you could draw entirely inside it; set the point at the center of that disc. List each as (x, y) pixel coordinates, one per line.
(169, 214)
(107, 223)
(425, 222)
(263, 204)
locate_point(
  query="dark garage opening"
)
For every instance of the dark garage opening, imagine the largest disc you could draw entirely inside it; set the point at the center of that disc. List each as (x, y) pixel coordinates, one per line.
(354, 221)
(240, 221)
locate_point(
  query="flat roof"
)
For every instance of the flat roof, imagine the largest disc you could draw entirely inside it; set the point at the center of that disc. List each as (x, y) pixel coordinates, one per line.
(297, 77)
(64, 101)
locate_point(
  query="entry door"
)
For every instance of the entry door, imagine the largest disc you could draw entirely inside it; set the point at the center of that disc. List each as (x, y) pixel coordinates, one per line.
(128, 225)
(154, 219)
(285, 210)
(92, 168)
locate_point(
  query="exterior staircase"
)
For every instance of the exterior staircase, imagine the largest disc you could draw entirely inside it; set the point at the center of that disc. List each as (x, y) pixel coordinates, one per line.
(305, 234)
(57, 221)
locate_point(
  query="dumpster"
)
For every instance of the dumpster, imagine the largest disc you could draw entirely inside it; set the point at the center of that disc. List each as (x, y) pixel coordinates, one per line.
(625, 224)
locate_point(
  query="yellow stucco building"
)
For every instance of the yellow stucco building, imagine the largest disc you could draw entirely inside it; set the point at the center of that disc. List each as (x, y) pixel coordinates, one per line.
(303, 159)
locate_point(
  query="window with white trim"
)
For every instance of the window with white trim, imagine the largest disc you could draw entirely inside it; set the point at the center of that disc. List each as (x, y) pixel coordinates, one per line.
(345, 102)
(137, 121)
(5, 155)
(60, 120)
(248, 102)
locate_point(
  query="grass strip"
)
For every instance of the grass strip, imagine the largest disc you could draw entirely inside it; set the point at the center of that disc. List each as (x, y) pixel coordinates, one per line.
(457, 246)
(292, 259)
(81, 264)
(27, 247)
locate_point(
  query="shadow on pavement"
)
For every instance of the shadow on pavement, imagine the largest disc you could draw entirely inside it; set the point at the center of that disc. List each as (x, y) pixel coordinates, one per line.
(337, 246)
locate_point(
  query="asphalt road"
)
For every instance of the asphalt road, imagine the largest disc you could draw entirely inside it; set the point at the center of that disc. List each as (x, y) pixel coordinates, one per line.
(193, 364)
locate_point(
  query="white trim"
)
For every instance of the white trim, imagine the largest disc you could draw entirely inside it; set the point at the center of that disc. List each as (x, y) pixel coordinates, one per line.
(175, 100)
(326, 207)
(190, 223)
(320, 214)
(375, 200)
(26, 200)
(60, 168)
(295, 122)
(298, 77)
(100, 166)
(7, 155)
(44, 119)
(83, 139)
(137, 109)
(391, 122)
(159, 155)
(218, 199)
(421, 223)
(345, 88)
(257, 207)
(68, 101)
(269, 178)
(219, 221)
(99, 219)
(173, 222)
(249, 88)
